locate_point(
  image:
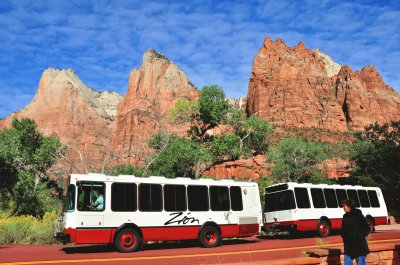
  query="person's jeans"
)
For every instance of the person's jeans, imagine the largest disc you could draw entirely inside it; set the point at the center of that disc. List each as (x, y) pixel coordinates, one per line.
(349, 261)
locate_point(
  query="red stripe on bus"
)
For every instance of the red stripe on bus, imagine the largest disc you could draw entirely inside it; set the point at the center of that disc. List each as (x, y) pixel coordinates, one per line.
(103, 236)
(311, 224)
(381, 220)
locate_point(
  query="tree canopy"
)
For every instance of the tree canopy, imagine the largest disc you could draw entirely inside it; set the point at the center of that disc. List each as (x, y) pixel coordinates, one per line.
(296, 159)
(242, 136)
(25, 156)
(376, 155)
(212, 110)
(177, 157)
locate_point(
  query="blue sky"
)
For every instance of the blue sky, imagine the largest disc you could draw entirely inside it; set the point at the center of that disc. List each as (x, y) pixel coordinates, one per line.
(214, 42)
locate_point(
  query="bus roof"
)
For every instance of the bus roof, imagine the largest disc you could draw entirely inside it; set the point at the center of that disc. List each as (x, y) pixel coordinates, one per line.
(311, 185)
(157, 179)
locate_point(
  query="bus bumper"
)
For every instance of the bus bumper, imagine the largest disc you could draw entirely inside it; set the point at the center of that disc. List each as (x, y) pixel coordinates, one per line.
(63, 238)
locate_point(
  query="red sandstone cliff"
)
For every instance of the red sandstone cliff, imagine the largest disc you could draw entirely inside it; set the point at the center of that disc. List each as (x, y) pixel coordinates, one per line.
(82, 118)
(91, 124)
(365, 98)
(153, 90)
(293, 87)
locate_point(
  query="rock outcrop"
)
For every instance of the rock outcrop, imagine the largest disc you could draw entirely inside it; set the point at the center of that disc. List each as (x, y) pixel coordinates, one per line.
(153, 90)
(105, 128)
(65, 107)
(243, 169)
(290, 87)
(297, 87)
(331, 67)
(365, 98)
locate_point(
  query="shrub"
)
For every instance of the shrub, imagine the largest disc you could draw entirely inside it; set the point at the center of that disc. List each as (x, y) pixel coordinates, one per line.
(27, 229)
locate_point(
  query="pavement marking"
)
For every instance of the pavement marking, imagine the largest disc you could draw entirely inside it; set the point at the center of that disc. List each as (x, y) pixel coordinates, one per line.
(179, 256)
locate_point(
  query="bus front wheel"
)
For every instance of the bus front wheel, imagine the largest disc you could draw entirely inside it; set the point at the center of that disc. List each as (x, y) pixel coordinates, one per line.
(209, 236)
(324, 228)
(128, 240)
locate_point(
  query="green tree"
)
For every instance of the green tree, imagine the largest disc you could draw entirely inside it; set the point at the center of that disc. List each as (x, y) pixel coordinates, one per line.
(125, 169)
(25, 157)
(177, 157)
(225, 147)
(183, 111)
(252, 131)
(376, 155)
(212, 109)
(296, 159)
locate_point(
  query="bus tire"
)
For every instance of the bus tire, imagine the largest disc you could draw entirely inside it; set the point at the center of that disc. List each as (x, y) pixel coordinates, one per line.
(128, 240)
(209, 236)
(323, 228)
(371, 224)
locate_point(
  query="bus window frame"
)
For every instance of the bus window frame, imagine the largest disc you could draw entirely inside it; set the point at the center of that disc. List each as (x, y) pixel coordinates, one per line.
(91, 183)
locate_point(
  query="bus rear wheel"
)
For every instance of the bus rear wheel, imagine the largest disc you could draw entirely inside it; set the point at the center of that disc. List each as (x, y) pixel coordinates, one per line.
(209, 236)
(323, 228)
(128, 240)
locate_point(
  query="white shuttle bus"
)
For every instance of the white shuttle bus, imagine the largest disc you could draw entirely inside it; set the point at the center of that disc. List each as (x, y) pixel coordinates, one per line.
(316, 207)
(128, 210)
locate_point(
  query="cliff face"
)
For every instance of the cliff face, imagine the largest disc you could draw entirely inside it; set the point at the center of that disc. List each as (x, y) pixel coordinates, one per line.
(293, 87)
(365, 98)
(104, 127)
(153, 90)
(65, 107)
(297, 87)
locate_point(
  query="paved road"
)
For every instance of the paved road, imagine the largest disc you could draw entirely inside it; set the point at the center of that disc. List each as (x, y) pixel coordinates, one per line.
(248, 250)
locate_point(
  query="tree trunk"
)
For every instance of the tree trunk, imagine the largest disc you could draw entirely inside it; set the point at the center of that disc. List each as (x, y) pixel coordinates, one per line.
(16, 207)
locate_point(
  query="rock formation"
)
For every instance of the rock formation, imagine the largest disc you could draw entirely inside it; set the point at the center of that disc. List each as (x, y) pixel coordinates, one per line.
(243, 169)
(365, 98)
(331, 67)
(65, 107)
(290, 87)
(153, 90)
(297, 87)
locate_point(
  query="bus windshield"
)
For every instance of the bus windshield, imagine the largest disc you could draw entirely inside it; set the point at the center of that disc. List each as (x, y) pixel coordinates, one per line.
(279, 201)
(69, 202)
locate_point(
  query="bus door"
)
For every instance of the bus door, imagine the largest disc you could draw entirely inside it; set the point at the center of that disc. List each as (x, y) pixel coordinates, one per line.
(90, 206)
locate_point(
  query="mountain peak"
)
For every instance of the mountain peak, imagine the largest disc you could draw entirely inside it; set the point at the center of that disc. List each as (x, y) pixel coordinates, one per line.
(150, 55)
(332, 68)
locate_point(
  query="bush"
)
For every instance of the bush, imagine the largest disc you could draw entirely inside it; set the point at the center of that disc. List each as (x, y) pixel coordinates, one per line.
(27, 229)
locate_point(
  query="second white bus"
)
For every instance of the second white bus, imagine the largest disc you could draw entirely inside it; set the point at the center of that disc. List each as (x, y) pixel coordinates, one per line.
(136, 210)
(316, 207)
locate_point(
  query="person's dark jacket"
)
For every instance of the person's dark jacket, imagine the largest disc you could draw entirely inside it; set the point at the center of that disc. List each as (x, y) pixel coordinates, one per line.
(354, 230)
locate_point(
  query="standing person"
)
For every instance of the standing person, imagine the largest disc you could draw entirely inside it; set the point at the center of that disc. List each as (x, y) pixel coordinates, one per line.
(354, 230)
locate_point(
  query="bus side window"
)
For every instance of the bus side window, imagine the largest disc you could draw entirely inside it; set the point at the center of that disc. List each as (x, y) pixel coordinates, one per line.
(236, 199)
(302, 198)
(373, 197)
(353, 194)
(70, 199)
(341, 195)
(318, 198)
(219, 198)
(89, 198)
(362, 194)
(197, 198)
(174, 198)
(150, 199)
(123, 197)
(271, 202)
(330, 198)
